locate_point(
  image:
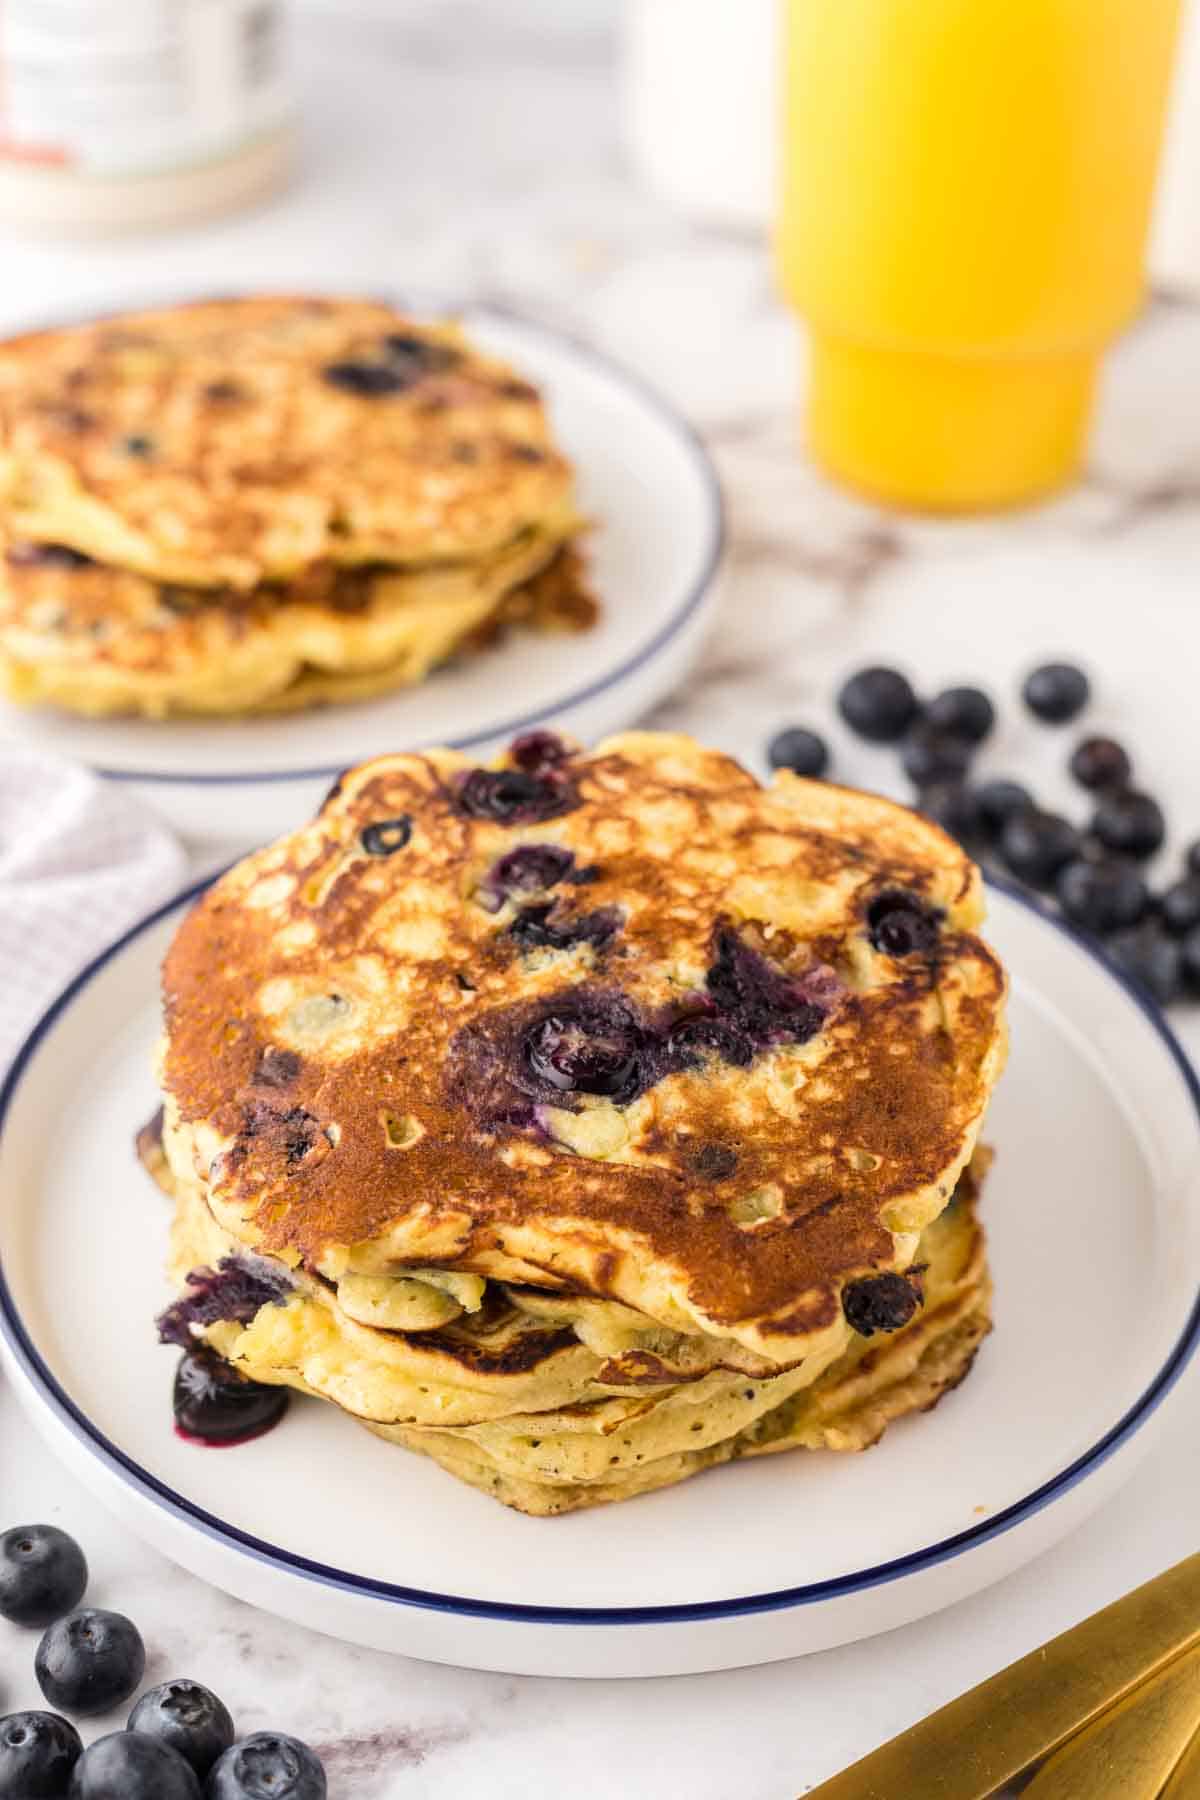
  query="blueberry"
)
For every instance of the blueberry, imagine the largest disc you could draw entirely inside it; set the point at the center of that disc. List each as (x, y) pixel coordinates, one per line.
(761, 1001)
(125, 1766)
(214, 1404)
(1179, 907)
(587, 1048)
(1100, 762)
(417, 356)
(955, 807)
(1153, 960)
(801, 751)
(1056, 692)
(43, 1574)
(930, 756)
(691, 1038)
(999, 800)
(1102, 896)
(90, 1660)
(38, 1750)
(961, 712)
(237, 1287)
(551, 927)
(901, 923)
(537, 751)
(879, 704)
(187, 1717)
(879, 1303)
(386, 836)
(513, 797)
(367, 379)
(530, 869)
(138, 444)
(1130, 823)
(1036, 845)
(268, 1766)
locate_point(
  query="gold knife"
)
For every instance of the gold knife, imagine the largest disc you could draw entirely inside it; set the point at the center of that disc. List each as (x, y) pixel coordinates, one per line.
(1138, 1660)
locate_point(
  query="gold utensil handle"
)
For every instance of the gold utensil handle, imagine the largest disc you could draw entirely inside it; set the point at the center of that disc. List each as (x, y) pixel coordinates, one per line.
(986, 1738)
(1131, 1751)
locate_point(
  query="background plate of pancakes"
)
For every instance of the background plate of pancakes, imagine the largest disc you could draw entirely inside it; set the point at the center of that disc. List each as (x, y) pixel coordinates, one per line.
(650, 505)
(1092, 1210)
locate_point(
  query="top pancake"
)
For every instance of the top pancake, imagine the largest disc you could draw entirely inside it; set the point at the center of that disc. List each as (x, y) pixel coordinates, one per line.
(732, 1054)
(233, 442)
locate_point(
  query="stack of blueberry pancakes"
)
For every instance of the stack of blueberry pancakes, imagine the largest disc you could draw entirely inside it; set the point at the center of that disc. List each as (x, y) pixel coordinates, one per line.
(588, 1119)
(262, 504)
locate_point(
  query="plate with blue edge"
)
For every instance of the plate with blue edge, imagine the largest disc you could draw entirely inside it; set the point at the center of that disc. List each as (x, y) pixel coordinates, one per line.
(1093, 1215)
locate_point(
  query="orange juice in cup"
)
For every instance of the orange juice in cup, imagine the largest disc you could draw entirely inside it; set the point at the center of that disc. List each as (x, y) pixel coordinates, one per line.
(963, 216)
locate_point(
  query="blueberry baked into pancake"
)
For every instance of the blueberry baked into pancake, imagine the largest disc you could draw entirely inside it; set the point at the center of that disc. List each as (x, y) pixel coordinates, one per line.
(588, 1119)
(261, 504)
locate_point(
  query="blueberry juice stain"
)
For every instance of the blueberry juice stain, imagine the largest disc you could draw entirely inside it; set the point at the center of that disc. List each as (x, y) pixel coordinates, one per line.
(216, 1406)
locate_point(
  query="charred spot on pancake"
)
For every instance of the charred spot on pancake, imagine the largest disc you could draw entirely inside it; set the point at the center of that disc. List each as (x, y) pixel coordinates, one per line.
(517, 390)
(233, 1291)
(138, 443)
(276, 1068)
(386, 836)
(224, 393)
(714, 1161)
(421, 356)
(526, 453)
(690, 1039)
(880, 1303)
(294, 1134)
(551, 927)
(47, 556)
(585, 877)
(513, 797)
(900, 923)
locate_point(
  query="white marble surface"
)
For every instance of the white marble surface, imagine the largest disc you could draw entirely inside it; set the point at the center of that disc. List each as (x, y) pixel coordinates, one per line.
(475, 148)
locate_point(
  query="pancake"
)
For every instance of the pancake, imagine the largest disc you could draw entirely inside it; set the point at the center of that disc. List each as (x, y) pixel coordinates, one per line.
(233, 443)
(102, 641)
(713, 1051)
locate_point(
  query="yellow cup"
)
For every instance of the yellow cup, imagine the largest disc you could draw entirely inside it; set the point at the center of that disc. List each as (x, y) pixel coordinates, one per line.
(963, 216)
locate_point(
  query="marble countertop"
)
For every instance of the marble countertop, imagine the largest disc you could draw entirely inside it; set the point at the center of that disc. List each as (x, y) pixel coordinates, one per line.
(474, 148)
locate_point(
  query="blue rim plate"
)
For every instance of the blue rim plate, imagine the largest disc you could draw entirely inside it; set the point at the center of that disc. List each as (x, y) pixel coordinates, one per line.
(27, 1357)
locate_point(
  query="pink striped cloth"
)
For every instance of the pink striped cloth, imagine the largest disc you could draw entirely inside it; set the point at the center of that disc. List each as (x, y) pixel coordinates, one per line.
(80, 860)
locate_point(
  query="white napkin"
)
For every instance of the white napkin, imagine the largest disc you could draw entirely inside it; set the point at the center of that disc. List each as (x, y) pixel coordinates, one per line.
(80, 860)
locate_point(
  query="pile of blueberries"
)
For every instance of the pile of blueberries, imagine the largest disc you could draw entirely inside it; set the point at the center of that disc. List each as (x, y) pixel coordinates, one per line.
(1094, 873)
(179, 1741)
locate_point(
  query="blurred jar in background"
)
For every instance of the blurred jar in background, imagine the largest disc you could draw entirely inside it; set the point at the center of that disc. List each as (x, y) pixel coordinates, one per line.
(1175, 244)
(702, 104)
(133, 114)
(965, 201)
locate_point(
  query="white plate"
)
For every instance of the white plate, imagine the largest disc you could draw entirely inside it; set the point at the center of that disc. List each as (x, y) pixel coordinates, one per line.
(653, 560)
(1093, 1212)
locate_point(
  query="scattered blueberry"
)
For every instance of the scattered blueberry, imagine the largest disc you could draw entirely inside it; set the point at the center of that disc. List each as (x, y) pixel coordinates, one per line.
(43, 1574)
(1155, 961)
(1131, 823)
(214, 1404)
(90, 1660)
(1036, 845)
(38, 1750)
(386, 836)
(1179, 906)
(961, 712)
(955, 807)
(999, 800)
(268, 1766)
(928, 757)
(1057, 692)
(187, 1717)
(879, 704)
(1100, 762)
(901, 923)
(128, 1766)
(1102, 896)
(801, 751)
(879, 1303)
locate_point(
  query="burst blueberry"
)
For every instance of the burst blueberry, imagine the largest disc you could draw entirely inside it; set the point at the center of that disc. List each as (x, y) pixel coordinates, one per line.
(215, 1404)
(513, 797)
(385, 836)
(587, 1047)
(902, 924)
(879, 1303)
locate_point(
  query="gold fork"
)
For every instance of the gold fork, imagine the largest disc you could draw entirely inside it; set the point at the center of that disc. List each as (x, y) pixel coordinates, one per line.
(1110, 1710)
